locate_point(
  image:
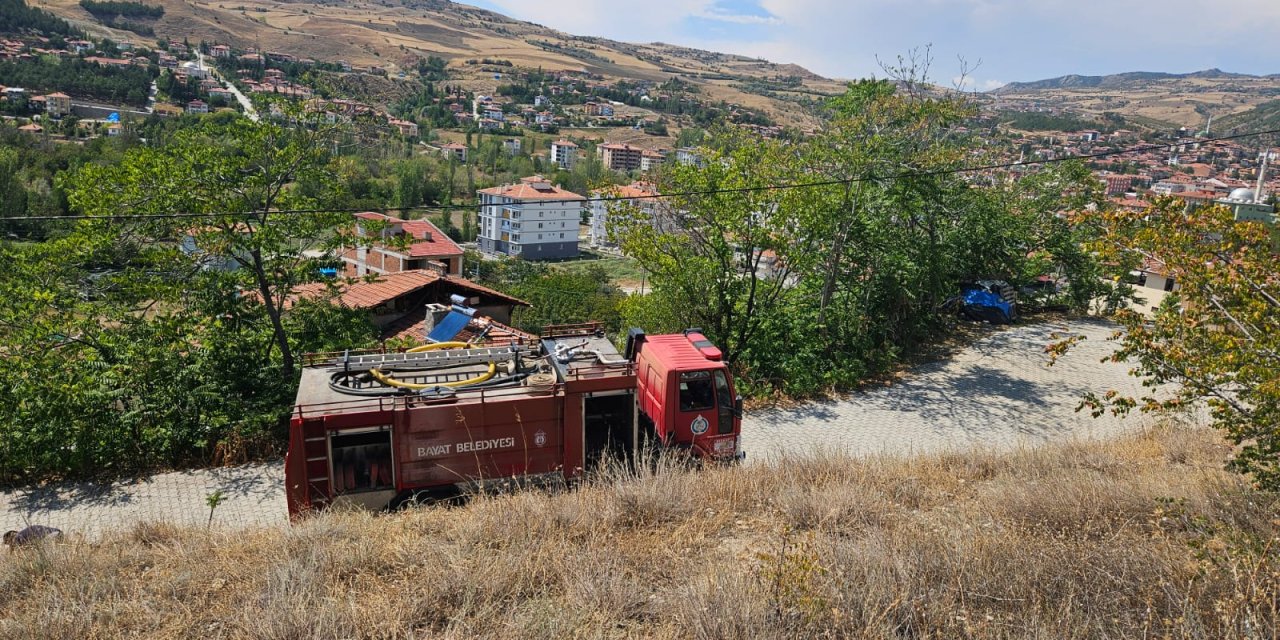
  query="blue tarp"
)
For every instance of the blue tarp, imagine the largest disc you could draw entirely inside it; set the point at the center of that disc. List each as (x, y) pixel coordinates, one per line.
(984, 303)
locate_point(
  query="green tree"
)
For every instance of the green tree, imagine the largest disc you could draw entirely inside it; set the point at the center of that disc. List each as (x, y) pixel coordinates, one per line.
(814, 287)
(703, 250)
(1215, 339)
(240, 173)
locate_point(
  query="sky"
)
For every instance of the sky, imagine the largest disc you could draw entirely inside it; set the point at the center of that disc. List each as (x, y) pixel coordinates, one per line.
(999, 40)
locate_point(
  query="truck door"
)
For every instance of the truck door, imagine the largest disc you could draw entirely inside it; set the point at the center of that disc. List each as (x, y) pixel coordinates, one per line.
(724, 404)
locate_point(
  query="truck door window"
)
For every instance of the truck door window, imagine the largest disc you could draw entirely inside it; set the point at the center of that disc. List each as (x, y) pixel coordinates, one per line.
(696, 392)
(726, 401)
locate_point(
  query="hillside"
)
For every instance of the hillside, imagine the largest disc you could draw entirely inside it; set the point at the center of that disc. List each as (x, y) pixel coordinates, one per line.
(1264, 117)
(1148, 98)
(395, 34)
(1141, 537)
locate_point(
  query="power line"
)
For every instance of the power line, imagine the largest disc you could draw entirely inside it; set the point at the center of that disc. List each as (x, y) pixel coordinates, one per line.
(684, 194)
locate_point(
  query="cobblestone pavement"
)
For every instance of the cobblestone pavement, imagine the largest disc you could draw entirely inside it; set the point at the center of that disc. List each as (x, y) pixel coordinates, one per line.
(254, 496)
(997, 393)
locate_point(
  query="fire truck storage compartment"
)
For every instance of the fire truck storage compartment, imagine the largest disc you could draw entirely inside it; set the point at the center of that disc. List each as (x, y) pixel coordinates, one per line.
(609, 426)
(362, 466)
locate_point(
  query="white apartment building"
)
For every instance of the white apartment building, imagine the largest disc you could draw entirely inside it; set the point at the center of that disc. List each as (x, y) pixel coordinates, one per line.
(639, 194)
(533, 219)
(564, 154)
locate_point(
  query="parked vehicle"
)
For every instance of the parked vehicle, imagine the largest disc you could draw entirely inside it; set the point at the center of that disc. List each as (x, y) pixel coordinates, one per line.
(377, 429)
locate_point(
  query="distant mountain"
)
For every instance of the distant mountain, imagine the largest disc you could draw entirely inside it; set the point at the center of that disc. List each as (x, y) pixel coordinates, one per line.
(1118, 80)
(1146, 99)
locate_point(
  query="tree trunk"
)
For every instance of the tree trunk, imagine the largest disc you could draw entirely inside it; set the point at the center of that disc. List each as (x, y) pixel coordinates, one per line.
(837, 257)
(273, 312)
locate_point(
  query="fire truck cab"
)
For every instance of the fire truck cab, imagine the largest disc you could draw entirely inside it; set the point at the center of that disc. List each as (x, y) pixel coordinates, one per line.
(685, 394)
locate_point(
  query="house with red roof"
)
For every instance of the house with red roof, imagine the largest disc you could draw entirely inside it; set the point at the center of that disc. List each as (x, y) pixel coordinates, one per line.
(390, 245)
(406, 306)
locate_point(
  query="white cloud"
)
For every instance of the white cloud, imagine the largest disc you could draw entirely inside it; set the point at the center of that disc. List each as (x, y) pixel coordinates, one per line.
(724, 16)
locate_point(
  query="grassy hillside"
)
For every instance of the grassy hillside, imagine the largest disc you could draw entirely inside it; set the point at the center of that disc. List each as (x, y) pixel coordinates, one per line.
(1143, 537)
(394, 34)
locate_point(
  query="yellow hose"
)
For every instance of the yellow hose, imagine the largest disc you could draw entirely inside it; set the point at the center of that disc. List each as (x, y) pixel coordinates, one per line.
(389, 381)
(437, 346)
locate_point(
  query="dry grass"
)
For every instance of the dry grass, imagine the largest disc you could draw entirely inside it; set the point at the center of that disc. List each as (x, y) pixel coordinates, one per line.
(1142, 537)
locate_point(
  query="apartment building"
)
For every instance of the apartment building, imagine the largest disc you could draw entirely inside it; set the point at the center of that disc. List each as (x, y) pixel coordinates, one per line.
(532, 219)
(564, 154)
(620, 157)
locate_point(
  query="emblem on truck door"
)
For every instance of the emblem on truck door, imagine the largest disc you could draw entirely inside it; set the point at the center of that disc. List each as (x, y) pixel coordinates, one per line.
(700, 425)
(539, 438)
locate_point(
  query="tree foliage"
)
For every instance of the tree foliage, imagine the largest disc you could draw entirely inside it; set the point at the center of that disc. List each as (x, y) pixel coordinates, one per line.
(239, 173)
(109, 9)
(815, 287)
(131, 344)
(1216, 337)
(16, 16)
(120, 85)
(556, 295)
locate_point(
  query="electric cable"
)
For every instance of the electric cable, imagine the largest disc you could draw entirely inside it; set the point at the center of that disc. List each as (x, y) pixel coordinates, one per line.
(683, 194)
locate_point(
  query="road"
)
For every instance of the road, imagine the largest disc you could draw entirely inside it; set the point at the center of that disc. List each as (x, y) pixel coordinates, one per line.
(998, 393)
(249, 111)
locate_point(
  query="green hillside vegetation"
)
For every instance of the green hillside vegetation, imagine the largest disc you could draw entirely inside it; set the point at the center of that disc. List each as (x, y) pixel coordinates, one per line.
(118, 85)
(16, 17)
(1264, 117)
(110, 9)
(1030, 121)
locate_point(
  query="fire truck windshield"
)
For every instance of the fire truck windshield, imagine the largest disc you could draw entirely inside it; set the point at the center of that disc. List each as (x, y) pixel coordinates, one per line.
(696, 391)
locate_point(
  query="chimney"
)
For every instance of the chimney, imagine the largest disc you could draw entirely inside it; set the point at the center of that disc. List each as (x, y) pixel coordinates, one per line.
(435, 313)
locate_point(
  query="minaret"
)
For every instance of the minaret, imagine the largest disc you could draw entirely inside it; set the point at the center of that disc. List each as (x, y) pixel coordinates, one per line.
(1262, 177)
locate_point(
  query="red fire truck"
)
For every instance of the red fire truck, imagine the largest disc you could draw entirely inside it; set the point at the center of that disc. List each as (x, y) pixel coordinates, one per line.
(376, 429)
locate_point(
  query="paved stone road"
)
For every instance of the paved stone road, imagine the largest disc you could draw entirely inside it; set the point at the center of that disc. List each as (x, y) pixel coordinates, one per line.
(254, 497)
(998, 393)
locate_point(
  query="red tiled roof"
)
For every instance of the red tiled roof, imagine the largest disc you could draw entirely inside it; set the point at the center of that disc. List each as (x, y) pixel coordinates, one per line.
(363, 294)
(369, 294)
(527, 191)
(633, 190)
(431, 242)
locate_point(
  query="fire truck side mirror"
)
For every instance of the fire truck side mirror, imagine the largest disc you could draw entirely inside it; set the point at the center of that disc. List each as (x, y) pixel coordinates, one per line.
(635, 337)
(737, 407)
